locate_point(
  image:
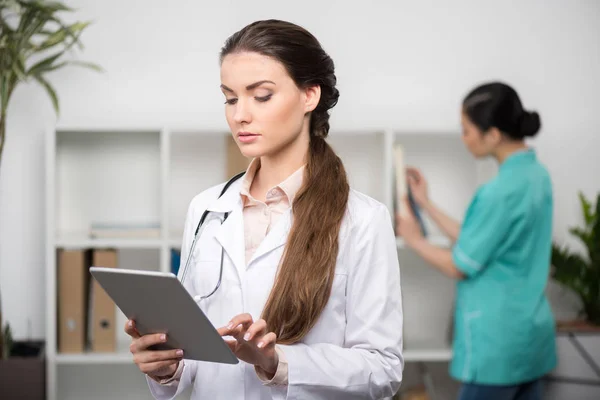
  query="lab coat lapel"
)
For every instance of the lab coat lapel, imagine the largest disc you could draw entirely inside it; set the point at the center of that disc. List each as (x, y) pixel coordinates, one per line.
(276, 237)
(230, 234)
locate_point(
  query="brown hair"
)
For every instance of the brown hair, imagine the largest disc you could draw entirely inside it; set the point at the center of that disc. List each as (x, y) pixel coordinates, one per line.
(303, 283)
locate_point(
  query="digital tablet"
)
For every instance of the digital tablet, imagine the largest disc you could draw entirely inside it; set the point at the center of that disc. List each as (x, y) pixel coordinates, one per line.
(158, 303)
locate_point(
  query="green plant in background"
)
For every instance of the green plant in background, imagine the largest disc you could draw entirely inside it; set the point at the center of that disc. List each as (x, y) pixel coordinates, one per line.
(7, 341)
(34, 41)
(581, 272)
(2, 340)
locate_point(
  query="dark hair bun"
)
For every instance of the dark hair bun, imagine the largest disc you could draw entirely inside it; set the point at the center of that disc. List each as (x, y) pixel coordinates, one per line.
(496, 104)
(529, 124)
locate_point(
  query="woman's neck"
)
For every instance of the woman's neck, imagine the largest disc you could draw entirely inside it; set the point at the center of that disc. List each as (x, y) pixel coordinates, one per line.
(276, 168)
(507, 149)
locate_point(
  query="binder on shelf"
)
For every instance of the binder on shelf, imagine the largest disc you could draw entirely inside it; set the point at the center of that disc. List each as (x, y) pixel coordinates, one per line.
(402, 189)
(175, 260)
(72, 281)
(102, 310)
(416, 211)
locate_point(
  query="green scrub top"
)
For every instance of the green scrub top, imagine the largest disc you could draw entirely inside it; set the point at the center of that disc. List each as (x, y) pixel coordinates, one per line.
(504, 329)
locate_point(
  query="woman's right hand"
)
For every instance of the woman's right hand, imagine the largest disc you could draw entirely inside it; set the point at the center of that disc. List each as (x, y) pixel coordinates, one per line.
(418, 186)
(158, 364)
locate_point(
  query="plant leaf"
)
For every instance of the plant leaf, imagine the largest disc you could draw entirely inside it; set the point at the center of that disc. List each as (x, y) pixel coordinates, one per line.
(35, 21)
(28, 27)
(8, 79)
(573, 270)
(56, 6)
(53, 39)
(586, 208)
(61, 35)
(3, 91)
(570, 270)
(44, 65)
(20, 74)
(86, 64)
(65, 63)
(583, 235)
(72, 35)
(50, 90)
(27, 18)
(18, 67)
(595, 238)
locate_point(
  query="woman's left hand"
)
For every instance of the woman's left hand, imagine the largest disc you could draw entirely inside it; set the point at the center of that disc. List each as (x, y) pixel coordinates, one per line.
(252, 342)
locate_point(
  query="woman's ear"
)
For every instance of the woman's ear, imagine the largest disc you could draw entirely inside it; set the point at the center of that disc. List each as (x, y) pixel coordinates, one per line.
(493, 136)
(312, 95)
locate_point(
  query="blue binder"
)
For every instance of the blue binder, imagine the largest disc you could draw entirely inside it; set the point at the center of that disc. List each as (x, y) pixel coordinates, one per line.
(175, 260)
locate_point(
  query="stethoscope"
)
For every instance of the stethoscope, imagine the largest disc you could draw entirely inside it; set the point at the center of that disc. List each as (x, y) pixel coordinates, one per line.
(197, 235)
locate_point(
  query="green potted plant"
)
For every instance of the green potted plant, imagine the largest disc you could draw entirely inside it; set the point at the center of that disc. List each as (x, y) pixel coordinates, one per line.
(581, 272)
(34, 41)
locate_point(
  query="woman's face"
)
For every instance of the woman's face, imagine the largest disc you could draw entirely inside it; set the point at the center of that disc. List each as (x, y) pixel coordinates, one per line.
(265, 110)
(478, 143)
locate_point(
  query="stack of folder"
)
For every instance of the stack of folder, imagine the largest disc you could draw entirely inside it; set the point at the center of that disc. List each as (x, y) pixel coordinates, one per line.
(86, 315)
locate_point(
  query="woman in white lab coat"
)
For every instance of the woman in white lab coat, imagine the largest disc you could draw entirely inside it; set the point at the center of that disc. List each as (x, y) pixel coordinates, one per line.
(309, 298)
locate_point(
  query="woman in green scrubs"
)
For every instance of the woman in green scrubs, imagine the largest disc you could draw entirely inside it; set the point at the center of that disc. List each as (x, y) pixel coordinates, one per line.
(504, 330)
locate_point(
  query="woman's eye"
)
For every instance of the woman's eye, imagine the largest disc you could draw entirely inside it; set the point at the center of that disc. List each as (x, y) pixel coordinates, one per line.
(264, 98)
(230, 101)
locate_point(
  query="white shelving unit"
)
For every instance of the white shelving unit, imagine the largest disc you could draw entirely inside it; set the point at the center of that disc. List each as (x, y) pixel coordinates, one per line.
(150, 175)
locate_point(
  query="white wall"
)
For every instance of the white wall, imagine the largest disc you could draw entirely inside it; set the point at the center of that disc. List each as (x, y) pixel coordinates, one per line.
(401, 64)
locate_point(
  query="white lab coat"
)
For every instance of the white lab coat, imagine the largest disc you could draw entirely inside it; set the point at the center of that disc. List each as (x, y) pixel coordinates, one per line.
(355, 349)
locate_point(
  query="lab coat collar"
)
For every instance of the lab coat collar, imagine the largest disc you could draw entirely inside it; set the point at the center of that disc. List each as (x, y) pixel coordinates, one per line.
(231, 233)
(230, 200)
